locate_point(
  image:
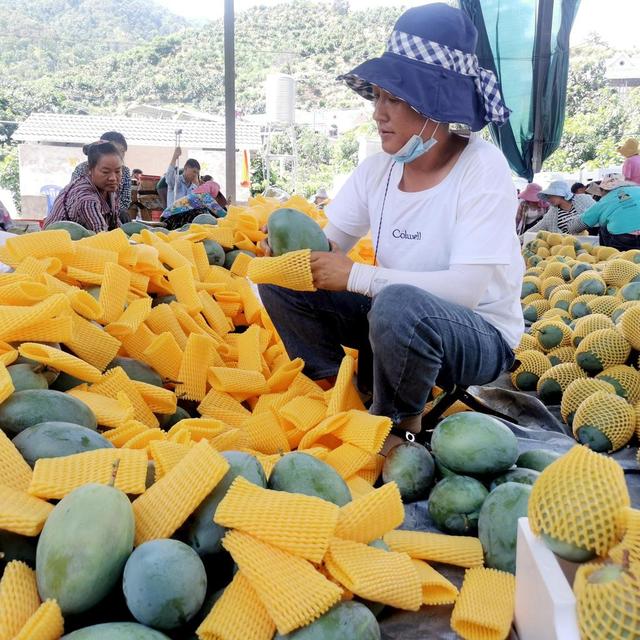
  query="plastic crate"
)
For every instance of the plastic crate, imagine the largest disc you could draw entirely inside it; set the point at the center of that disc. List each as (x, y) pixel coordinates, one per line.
(545, 604)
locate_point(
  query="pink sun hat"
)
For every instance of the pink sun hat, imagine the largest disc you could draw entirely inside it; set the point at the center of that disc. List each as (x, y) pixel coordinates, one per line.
(530, 193)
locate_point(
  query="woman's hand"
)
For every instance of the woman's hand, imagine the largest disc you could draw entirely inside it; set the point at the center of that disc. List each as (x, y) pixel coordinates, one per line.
(331, 269)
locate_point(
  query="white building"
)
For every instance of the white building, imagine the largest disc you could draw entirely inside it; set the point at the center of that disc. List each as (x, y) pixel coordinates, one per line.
(51, 146)
(623, 70)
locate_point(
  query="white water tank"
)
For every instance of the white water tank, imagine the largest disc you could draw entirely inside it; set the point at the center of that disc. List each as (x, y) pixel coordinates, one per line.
(281, 98)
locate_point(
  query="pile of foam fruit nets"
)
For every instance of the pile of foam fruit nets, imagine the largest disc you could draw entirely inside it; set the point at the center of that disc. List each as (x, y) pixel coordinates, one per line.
(167, 471)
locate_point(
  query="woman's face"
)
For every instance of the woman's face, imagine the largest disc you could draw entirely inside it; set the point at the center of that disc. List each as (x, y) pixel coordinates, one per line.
(191, 175)
(107, 174)
(396, 120)
(556, 201)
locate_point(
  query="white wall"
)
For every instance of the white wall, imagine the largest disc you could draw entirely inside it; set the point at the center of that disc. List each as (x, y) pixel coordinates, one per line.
(43, 164)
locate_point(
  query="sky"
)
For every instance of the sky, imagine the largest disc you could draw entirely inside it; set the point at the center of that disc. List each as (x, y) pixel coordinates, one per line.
(617, 24)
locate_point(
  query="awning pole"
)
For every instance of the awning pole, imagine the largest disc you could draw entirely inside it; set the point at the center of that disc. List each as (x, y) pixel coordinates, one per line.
(230, 99)
(543, 59)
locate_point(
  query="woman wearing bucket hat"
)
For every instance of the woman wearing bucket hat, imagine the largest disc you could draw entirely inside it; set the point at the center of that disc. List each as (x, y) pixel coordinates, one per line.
(441, 301)
(563, 215)
(631, 165)
(617, 214)
(531, 208)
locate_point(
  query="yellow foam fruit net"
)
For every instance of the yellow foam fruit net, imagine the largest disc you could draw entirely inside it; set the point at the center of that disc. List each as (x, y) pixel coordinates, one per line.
(45, 624)
(14, 471)
(549, 284)
(625, 379)
(562, 375)
(531, 298)
(293, 592)
(436, 589)
(375, 574)
(579, 302)
(371, 516)
(618, 272)
(291, 270)
(588, 324)
(607, 609)
(561, 298)
(576, 499)
(531, 284)
(557, 314)
(461, 551)
(238, 615)
(167, 503)
(530, 366)
(527, 343)
(589, 282)
(601, 349)
(21, 512)
(536, 308)
(299, 524)
(484, 610)
(19, 598)
(578, 391)
(54, 478)
(610, 414)
(59, 360)
(629, 547)
(109, 412)
(603, 304)
(561, 354)
(630, 326)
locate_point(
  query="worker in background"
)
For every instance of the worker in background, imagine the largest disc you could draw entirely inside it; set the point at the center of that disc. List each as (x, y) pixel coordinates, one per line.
(563, 215)
(93, 199)
(578, 188)
(321, 198)
(531, 209)
(617, 214)
(119, 142)
(135, 176)
(210, 186)
(187, 181)
(631, 165)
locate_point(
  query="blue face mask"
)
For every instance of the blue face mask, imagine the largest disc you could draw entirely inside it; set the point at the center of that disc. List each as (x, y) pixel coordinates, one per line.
(415, 146)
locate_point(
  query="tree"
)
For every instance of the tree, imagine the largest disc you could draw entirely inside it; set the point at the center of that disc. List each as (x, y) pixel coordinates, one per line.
(10, 174)
(598, 115)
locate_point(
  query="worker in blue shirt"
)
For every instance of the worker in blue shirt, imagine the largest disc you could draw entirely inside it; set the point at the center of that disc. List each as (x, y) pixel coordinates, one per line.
(617, 214)
(188, 180)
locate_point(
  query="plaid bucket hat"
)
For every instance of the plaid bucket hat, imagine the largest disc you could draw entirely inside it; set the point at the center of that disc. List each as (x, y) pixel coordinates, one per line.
(430, 63)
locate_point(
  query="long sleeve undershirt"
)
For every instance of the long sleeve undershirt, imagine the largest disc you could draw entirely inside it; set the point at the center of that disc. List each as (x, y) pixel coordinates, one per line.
(463, 284)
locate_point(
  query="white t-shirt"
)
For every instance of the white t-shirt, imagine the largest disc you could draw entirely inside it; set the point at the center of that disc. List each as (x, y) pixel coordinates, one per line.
(469, 218)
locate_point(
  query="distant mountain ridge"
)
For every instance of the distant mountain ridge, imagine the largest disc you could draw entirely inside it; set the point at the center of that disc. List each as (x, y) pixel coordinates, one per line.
(166, 62)
(38, 37)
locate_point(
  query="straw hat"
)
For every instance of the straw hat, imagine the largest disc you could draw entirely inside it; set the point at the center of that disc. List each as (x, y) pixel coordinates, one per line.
(629, 148)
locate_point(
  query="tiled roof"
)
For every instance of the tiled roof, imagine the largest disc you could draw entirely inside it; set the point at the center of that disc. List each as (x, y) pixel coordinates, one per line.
(54, 127)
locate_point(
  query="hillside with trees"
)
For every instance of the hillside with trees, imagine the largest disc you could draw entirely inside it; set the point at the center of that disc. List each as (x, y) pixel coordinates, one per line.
(99, 56)
(312, 40)
(40, 37)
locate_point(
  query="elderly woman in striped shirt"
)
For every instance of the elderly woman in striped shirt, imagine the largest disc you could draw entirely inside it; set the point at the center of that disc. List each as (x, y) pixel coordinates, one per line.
(92, 200)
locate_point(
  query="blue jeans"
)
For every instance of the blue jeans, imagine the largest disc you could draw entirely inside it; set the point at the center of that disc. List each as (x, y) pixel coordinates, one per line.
(408, 340)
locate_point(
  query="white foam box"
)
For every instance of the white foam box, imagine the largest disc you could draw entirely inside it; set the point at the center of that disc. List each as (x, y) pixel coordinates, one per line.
(545, 604)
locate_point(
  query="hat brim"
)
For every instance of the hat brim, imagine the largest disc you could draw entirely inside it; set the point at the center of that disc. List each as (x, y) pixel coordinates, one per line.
(435, 92)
